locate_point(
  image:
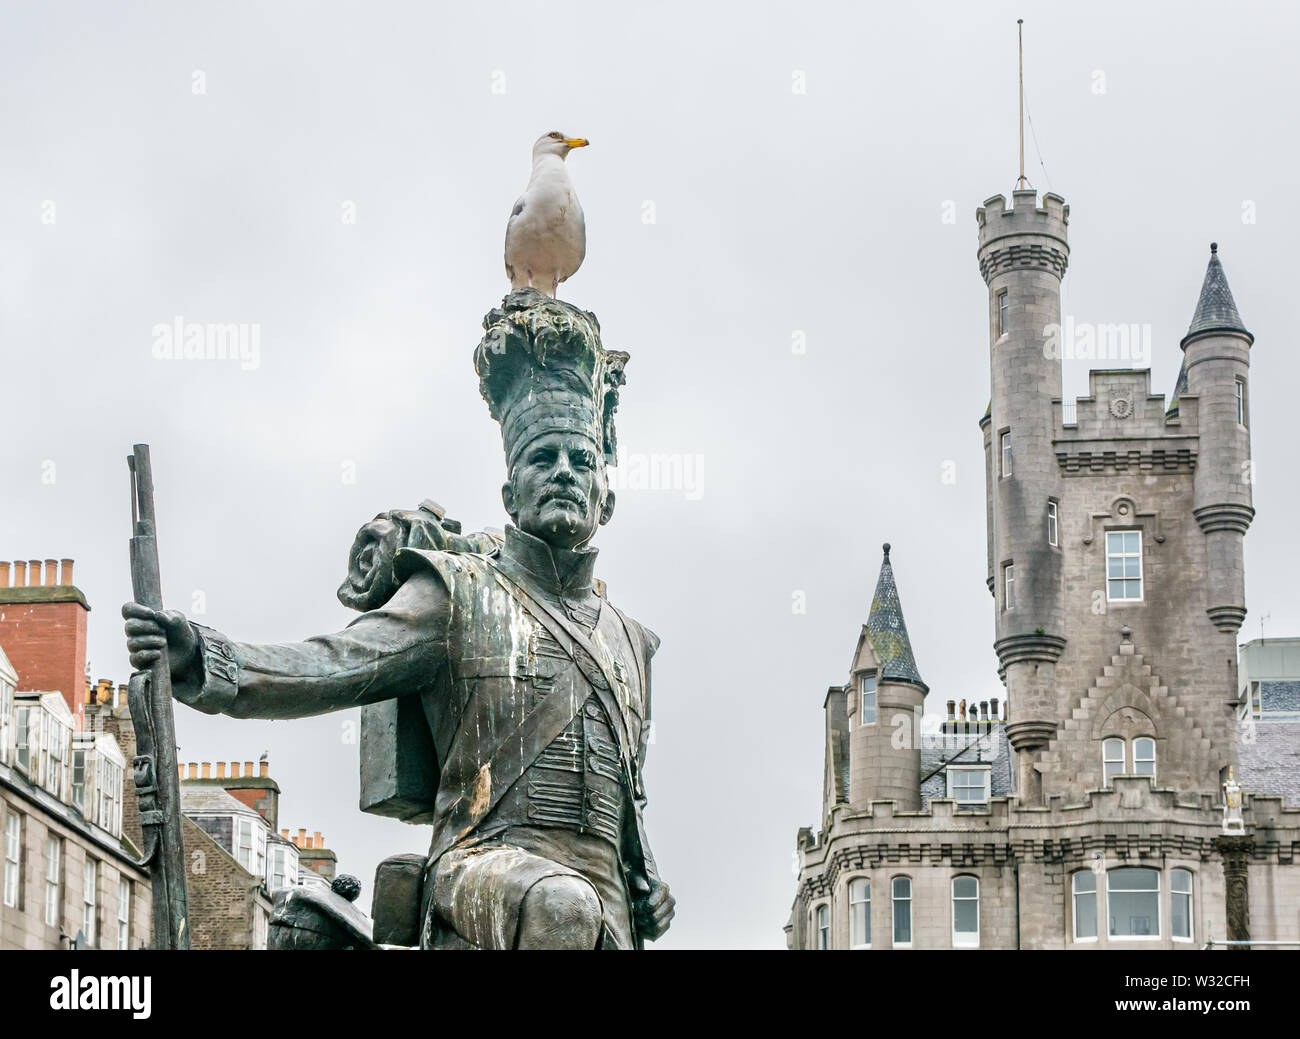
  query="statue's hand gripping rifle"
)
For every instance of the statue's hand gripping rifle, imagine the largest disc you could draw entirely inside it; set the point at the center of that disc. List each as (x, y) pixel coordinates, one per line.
(149, 697)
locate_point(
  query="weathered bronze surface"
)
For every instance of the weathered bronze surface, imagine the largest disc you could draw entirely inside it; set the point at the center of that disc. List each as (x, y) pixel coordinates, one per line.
(149, 699)
(505, 700)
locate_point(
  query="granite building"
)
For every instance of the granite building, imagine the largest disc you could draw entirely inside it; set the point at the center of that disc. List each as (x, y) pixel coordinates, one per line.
(70, 836)
(68, 866)
(1089, 813)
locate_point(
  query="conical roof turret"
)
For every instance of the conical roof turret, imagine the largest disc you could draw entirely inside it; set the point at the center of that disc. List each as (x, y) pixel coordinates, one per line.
(1216, 310)
(888, 630)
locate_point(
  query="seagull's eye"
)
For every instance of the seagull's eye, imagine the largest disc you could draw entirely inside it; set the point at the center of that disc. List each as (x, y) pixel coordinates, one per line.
(556, 136)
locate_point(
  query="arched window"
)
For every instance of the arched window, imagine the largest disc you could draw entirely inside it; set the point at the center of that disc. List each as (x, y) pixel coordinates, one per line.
(1144, 756)
(1083, 889)
(902, 891)
(1112, 759)
(1180, 887)
(860, 913)
(965, 912)
(823, 927)
(1133, 902)
(1133, 759)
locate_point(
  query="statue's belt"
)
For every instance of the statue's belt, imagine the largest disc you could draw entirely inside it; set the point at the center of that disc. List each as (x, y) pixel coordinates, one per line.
(542, 725)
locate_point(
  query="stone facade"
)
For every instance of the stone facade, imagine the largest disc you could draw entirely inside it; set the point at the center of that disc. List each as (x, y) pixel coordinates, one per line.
(1091, 814)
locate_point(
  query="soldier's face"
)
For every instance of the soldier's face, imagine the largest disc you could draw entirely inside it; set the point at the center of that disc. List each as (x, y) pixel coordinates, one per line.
(558, 490)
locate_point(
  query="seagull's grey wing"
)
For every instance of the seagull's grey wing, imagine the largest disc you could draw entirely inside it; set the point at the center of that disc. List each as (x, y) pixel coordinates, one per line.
(514, 213)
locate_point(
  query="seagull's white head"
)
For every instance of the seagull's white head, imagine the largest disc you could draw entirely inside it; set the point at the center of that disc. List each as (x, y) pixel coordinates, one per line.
(556, 143)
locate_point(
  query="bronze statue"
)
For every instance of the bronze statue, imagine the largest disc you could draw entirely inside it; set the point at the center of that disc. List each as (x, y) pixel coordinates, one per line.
(505, 699)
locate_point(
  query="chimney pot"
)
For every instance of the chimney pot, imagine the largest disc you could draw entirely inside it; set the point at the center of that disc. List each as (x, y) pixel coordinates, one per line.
(221, 770)
(264, 768)
(234, 770)
(20, 573)
(194, 770)
(65, 574)
(993, 709)
(302, 838)
(4, 575)
(51, 571)
(33, 573)
(285, 834)
(984, 710)
(248, 769)
(207, 770)
(320, 841)
(180, 770)
(952, 709)
(962, 708)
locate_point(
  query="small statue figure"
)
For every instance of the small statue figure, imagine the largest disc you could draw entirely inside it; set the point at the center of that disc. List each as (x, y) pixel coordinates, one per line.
(1232, 820)
(505, 699)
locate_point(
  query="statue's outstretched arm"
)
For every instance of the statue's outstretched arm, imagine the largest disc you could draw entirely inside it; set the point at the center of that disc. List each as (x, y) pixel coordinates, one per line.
(395, 650)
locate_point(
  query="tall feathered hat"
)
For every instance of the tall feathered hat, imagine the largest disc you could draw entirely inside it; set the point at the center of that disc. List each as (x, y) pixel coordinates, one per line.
(542, 370)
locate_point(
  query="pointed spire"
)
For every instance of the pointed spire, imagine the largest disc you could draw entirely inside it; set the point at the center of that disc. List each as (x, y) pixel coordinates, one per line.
(1216, 310)
(888, 631)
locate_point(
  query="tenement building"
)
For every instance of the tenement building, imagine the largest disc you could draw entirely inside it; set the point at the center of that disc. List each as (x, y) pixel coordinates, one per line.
(69, 817)
(1132, 794)
(70, 875)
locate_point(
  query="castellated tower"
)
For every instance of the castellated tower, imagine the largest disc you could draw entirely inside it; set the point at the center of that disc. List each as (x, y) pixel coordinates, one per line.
(1114, 528)
(1023, 253)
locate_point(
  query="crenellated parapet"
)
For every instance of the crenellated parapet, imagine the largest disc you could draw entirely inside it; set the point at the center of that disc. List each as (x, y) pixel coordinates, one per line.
(1025, 237)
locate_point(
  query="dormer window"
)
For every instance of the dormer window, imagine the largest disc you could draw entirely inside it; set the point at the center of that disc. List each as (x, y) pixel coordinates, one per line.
(969, 785)
(868, 701)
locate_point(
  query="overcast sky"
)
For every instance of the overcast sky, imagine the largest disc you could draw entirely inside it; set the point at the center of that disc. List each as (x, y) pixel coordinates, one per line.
(202, 161)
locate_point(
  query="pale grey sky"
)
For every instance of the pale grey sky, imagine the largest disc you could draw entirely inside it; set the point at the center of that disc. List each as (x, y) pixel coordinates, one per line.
(774, 213)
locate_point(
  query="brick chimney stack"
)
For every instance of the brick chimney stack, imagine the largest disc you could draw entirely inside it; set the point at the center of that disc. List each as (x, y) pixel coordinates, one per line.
(43, 629)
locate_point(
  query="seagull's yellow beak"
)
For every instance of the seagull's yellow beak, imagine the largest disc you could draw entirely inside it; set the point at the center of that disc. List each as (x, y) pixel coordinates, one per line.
(576, 142)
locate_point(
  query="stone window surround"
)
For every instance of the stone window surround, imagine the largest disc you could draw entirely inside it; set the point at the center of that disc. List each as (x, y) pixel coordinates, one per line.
(1130, 528)
(849, 887)
(1165, 871)
(854, 700)
(815, 929)
(1129, 759)
(894, 900)
(953, 899)
(1006, 460)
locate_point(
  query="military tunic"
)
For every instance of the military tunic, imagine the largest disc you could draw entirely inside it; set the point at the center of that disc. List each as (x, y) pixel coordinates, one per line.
(484, 665)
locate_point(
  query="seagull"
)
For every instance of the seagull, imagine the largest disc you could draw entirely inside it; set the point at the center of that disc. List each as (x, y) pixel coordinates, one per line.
(546, 236)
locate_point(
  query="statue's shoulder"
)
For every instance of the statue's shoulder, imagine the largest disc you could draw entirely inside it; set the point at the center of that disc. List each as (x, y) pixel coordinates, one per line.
(401, 542)
(645, 640)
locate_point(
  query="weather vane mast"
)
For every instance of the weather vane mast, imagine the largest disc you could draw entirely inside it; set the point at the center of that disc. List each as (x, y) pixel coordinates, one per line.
(1020, 33)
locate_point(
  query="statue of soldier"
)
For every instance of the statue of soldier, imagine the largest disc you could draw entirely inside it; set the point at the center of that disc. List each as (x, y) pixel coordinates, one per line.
(501, 656)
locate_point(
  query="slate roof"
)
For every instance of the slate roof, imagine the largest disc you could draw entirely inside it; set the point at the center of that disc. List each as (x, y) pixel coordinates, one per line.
(992, 748)
(207, 800)
(888, 631)
(1215, 310)
(1270, 764)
